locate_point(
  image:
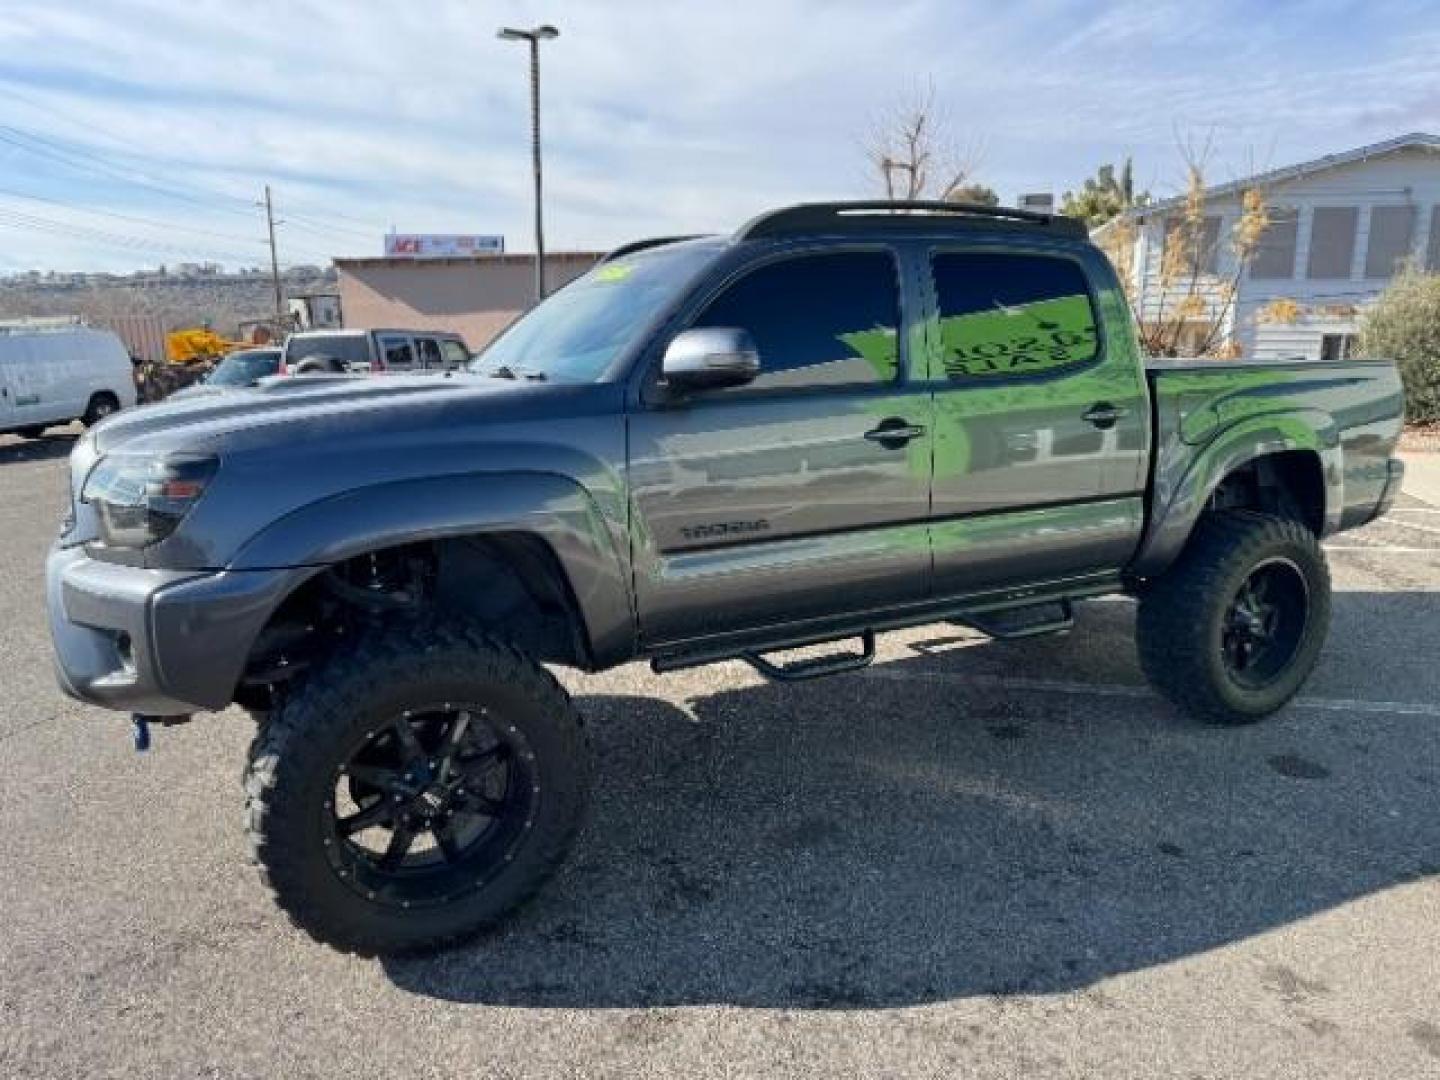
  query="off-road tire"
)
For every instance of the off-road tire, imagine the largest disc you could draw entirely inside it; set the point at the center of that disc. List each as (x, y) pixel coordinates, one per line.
(297, 749)
(101, 405)
(1182, 616)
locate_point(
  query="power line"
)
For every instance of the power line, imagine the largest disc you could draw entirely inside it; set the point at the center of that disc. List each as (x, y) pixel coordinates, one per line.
(309, 224)
(86, 159)
(8, 135)
(105, 238)
(129, 217)
(69, 153)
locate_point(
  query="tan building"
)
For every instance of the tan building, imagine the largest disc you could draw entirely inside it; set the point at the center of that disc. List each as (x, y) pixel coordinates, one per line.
(475, 296)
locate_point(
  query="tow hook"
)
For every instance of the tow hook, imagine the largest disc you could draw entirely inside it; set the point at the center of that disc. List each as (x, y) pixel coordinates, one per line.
(140, 726)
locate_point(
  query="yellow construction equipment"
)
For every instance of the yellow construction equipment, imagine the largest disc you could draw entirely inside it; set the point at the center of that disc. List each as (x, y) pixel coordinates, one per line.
(198, 345)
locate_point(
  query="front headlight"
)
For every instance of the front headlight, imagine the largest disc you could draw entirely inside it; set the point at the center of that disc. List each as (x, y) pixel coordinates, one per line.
(140, 500)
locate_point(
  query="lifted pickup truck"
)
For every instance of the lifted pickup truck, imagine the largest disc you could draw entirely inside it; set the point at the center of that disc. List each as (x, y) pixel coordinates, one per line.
(842, 419)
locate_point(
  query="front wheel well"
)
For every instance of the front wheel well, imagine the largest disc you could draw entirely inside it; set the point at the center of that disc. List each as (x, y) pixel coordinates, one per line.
(1288, 484)
(511, 584)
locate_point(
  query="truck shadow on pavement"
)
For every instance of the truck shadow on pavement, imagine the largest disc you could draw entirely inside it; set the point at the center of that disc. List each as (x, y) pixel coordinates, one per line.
(906, 836)
(45, 448)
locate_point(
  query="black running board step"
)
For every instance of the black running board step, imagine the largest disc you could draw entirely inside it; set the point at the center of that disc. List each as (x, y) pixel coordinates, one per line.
(795, 671)
(1007, 624)
(817, 667)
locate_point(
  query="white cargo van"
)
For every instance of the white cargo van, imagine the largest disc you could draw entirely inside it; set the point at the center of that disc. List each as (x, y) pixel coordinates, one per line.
(54, 376)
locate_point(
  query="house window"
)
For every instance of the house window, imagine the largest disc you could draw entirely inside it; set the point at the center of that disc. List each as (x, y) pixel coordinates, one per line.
(1332, 241)
(1200, 255)
(1275, 253)
(1336, 346)
(1432, 255)
(1392, 230)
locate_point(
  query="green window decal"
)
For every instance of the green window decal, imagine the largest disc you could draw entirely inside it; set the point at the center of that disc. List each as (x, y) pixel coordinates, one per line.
(1004, 314)
(1018, 340)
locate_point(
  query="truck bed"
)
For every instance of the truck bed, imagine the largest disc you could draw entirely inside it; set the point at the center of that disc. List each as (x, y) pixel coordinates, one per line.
(1350, 412)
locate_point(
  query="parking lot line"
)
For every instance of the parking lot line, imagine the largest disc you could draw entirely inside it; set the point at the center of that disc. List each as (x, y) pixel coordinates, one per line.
(1388, 549)
(1121, 690)
(1417, 528)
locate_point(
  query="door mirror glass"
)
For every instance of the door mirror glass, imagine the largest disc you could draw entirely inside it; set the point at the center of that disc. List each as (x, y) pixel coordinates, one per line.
(710, 359)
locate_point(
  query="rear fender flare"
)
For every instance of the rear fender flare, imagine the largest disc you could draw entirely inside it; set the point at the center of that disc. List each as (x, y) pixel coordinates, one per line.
(550, 507)
(1186, 477)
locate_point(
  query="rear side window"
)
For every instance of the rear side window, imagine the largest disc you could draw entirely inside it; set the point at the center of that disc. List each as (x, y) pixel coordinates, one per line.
(456, 355)
(1005, 314)
(350, 349)
(429, 352)
(818, 320)
(397, 352)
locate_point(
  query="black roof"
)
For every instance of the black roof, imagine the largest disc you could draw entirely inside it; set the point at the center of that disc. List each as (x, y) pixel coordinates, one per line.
(881, 215)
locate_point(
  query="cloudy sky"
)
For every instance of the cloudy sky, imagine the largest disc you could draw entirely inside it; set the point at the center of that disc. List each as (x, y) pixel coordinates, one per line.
(134, 132)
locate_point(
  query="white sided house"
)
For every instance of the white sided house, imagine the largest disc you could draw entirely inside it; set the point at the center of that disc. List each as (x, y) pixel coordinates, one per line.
(1339, 228)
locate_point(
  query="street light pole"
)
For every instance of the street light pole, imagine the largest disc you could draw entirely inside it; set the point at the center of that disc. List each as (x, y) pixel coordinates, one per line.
(534, 37)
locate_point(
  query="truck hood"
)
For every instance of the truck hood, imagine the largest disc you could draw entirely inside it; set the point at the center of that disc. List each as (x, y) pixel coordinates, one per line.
(297, 409)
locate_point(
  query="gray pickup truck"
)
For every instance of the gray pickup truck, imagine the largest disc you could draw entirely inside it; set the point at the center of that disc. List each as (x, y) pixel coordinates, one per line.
(842, 419)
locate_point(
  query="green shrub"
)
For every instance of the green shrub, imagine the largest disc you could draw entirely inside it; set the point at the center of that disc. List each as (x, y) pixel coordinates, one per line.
(1404, 326)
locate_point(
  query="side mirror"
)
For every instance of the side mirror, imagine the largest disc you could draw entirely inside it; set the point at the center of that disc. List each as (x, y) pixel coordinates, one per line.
(710, 359)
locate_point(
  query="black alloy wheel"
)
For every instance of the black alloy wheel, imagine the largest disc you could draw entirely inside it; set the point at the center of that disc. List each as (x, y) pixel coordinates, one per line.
(1265, 623)
(431, 805)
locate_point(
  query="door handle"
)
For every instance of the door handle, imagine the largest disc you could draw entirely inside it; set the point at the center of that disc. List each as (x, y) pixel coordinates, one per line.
(894, 432)
(1104, 415)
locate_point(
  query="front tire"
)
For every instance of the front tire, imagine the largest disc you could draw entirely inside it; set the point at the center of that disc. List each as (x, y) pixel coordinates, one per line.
(415, 789)
(1231, 632)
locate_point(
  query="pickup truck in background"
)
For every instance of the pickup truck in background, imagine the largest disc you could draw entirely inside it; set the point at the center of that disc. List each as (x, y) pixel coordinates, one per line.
(356, 351)
(842, 419)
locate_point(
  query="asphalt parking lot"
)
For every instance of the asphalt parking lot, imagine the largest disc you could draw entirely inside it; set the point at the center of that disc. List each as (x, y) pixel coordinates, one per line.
(976, 858)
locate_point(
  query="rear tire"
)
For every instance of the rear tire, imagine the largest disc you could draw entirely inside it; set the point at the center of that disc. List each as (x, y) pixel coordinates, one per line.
(101, 405)
(370, 757)
(1234, 628)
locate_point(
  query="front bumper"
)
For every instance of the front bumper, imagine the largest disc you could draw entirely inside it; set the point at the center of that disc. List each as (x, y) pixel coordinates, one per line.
(161, 642)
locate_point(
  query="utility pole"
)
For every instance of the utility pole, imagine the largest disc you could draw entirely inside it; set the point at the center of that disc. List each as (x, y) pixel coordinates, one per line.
(274, 265)
(534, 37)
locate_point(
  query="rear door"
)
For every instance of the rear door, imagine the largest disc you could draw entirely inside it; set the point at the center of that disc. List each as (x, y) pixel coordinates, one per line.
(29, 380)
(8, 413)
(397, 352)
(783, 500)
(1040, 419)
(427, 354)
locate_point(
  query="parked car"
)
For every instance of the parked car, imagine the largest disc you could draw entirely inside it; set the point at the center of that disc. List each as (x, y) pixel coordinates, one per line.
(54, 376)
(320, 351)
(240, 369)
(843, 419)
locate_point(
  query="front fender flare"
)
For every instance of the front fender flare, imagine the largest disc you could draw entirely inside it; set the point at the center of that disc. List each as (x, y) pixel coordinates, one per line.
(550, 507)
(1186, 477)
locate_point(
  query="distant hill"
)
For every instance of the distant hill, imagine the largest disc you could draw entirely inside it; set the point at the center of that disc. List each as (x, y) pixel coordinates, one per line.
(221, 301)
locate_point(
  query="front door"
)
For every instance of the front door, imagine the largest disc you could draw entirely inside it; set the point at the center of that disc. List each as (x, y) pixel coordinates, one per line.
(1040, 420)
(786, 500)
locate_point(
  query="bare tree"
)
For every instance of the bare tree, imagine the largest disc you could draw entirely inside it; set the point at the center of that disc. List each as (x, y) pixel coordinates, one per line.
(913, 153)
(1193, 303)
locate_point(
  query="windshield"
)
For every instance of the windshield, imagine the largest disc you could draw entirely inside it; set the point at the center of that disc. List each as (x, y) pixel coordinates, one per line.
(244, 368)
(576, 334)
